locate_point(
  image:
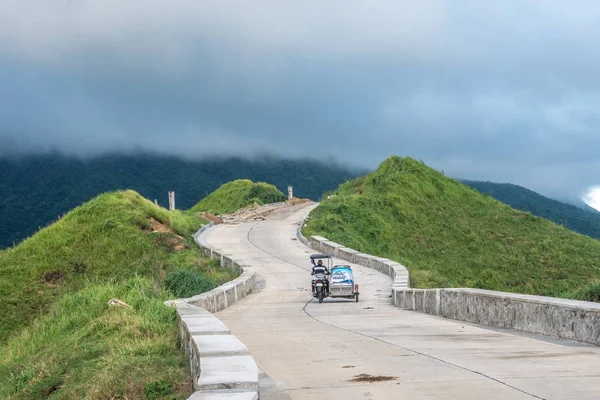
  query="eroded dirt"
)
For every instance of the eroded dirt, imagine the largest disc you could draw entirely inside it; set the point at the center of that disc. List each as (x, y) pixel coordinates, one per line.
(257, 212)
(210, 217)
(173, 241)
(158, 226)
(53, 277)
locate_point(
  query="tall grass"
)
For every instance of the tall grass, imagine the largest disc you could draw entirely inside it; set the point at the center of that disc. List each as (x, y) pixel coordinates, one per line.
(85, 349)
(449, 235)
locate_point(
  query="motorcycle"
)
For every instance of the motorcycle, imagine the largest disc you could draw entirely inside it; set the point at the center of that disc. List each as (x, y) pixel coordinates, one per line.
(320, 285)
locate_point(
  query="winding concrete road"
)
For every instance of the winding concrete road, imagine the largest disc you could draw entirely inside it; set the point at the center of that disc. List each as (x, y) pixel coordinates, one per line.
(307, 350)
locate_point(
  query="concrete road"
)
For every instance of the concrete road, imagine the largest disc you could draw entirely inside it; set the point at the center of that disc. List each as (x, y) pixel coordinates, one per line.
(308, 350)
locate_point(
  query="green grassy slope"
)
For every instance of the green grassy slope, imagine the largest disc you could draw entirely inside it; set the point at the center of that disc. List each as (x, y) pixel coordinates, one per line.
(60, 339)
(578, 219)
(450, 235)
(237, 194)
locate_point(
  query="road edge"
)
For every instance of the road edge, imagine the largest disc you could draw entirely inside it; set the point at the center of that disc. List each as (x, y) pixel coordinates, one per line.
(220, 363)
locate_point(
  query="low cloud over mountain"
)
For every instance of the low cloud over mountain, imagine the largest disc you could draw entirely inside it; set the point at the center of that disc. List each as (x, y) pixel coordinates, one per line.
(505, 91)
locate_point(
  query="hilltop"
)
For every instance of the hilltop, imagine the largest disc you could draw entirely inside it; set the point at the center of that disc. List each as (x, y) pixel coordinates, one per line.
(579, 219)
(36, 190)
(238, 194)
(450, 235)
(59, 336)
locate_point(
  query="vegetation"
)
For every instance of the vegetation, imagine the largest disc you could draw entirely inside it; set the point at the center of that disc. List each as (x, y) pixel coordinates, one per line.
(37, 190)
(450, 235)
(85, 349)
(59, 338)
(578, 219)
(240, 193)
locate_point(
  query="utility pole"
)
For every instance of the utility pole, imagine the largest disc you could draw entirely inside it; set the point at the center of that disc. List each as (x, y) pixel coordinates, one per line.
(290, 193)
(171, 201)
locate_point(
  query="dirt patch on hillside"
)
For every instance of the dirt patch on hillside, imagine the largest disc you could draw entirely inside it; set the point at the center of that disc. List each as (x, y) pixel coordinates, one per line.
(295, 201)
(210, 217)
(158, 226)
(53, 278)
(371, 378)
(166, 236)
(257, 212)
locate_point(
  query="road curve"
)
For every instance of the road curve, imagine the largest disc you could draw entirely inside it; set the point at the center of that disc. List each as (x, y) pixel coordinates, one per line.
(307, 350)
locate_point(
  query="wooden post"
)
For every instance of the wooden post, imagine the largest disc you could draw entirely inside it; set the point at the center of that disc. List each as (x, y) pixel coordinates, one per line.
(290, 193)
(171, 201)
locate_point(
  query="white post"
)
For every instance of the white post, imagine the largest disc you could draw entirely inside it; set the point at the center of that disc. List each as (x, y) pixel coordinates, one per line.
(155, 201)
(290, 193)
(171, 201)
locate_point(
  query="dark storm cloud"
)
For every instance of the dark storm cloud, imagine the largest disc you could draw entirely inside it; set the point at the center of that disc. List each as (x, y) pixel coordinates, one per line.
(506, 91)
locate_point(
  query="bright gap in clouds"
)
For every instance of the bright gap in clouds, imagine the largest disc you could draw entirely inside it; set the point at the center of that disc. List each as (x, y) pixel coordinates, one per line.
(592, 198)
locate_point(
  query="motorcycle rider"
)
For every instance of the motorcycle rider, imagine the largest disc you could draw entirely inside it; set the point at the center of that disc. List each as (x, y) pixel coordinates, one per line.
(322, 269)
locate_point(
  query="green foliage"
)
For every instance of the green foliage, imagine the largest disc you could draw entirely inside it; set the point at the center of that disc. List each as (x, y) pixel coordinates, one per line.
(584, 221)
(589, 292)
(240, 193)
(450, 235)
(158, 390)
(58, 336)
(186, 283)
(84, 348)
(36, 190)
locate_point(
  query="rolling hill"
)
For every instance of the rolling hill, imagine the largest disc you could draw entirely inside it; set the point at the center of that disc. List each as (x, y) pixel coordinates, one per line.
(450, 235)
(240, 193)
(60, 338)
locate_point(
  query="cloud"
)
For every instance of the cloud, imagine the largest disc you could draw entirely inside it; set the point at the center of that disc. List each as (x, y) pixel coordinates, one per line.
(592, 197)
(484, 90)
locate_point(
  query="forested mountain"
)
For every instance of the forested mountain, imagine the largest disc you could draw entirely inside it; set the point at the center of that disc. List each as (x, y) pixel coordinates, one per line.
(36, 190)
(584, 220)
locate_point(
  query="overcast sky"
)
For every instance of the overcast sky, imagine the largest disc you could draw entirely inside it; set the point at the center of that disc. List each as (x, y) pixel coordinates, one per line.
(500, 90)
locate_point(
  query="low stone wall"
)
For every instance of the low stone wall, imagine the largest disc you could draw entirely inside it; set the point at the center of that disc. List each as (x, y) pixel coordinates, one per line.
(566, 319)
(221, 365)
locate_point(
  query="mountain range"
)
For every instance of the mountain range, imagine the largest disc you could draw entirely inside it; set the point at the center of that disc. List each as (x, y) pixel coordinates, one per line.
(36, 190)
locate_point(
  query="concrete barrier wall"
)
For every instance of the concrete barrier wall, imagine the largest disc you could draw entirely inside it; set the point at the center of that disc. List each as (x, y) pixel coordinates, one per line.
(567, 319)
(221, 364)
(230, 292)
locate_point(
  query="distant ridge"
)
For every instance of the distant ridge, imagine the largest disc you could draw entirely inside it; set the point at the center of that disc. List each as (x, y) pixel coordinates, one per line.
(583, 219)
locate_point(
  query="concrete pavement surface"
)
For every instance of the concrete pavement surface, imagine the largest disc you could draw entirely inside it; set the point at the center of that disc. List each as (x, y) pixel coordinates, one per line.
(342, 349)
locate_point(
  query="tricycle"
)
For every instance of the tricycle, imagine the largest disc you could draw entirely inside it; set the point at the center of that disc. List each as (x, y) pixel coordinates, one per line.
(328, 281)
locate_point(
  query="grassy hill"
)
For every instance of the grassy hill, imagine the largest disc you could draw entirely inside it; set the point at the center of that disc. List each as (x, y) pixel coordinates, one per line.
(240, 193)
(38, 189)
(578, 219)
(60, 339)
(450, 235)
